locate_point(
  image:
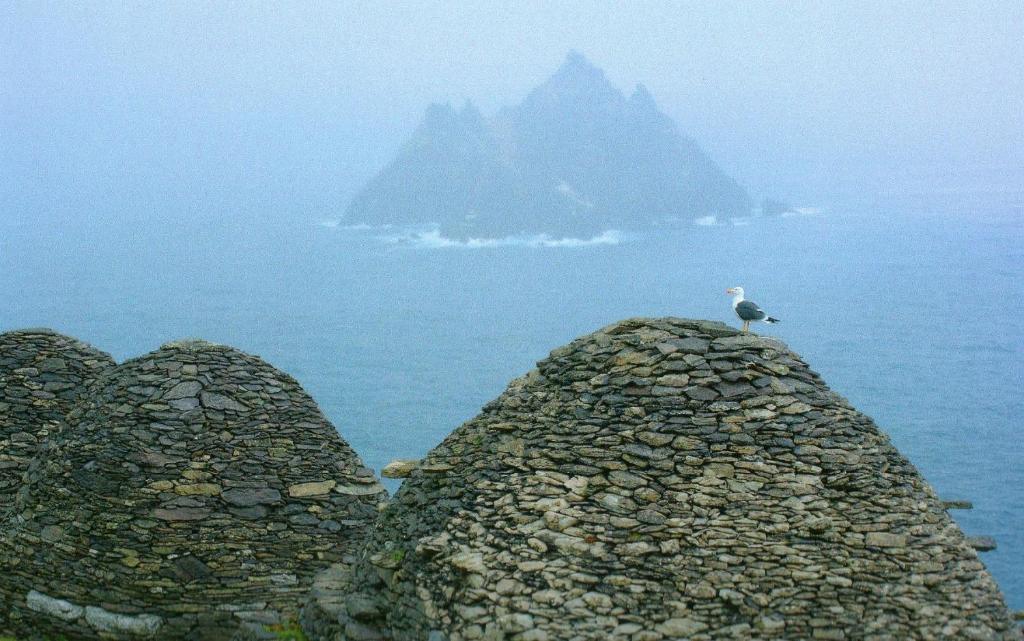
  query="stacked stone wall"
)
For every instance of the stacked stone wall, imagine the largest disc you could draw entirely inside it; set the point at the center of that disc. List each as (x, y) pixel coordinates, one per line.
(196, 490)
(664, 479)
(658, 479)
(42, 376)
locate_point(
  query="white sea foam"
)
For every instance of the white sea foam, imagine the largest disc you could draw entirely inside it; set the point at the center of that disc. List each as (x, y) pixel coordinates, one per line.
(336, 224)
(607, 237)
(433, 239)
(706, 221)
(802, 211)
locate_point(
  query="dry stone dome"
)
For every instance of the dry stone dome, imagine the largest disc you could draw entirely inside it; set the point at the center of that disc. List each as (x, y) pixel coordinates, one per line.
(196, 489)
(42, 376)
(664, 479)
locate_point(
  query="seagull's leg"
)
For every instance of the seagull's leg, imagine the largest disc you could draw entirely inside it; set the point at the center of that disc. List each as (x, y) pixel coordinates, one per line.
(746, 326)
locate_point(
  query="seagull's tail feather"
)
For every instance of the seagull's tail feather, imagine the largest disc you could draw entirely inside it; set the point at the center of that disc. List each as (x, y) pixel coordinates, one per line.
(769, 319)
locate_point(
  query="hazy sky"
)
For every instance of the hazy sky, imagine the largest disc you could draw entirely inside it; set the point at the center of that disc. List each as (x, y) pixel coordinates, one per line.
(207, 108)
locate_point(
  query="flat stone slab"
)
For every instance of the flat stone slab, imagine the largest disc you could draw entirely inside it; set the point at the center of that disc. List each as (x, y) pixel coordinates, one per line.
(982, 543)
(400, 468)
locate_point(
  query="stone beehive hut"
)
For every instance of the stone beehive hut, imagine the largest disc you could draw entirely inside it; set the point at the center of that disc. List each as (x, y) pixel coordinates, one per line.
(664, 479)
(195, 490)
(42, 376)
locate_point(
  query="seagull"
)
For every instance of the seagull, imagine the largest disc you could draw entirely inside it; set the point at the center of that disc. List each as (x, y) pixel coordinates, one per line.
(747, 310)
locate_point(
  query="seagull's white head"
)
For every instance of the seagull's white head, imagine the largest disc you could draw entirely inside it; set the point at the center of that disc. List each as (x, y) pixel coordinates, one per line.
(735, 291)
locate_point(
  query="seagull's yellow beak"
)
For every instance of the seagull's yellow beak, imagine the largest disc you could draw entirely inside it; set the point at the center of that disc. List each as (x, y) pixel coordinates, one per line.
(730, 291)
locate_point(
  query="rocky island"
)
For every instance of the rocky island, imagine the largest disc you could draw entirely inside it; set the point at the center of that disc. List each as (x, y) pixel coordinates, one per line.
(657, 479)
(575, 158)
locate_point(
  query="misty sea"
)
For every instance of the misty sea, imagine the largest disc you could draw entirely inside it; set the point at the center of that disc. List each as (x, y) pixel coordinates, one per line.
(910, 308)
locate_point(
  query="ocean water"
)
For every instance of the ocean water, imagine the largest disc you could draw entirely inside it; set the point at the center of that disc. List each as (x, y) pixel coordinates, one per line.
(908, 307)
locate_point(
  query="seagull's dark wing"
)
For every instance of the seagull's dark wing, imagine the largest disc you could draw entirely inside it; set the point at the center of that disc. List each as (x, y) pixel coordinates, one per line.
(749, 311)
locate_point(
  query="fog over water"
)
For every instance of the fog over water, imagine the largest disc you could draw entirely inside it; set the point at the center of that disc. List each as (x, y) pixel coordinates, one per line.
(183, 109)
(182, 169)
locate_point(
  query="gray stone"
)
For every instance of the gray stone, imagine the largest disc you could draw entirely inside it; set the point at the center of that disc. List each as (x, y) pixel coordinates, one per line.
(311, 488)
(330, 525)
(681, 627)
(59, 608)
(400, 468)
(304, 519)
(692, 345)
(885, 539)
(184, 404)
(700, 393)
(220, 402)
(250, 513)
(184, 389)
(189, 568)
(360, 489)
(355, 631)
(181, 514)
(104, 622)
(250, 496)
(51, 533)
(982, 543)
(52, 365)
(732, 390)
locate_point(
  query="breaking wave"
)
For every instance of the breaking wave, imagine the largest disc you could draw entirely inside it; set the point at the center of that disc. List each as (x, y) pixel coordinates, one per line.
(802, 211)
(433, 239)
(336, 224)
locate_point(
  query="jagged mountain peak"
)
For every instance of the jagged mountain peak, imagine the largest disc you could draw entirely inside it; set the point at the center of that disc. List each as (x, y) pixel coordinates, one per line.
(577, 65)
(576, 83)
(440, 115)
(642, 99)
(575, 157)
